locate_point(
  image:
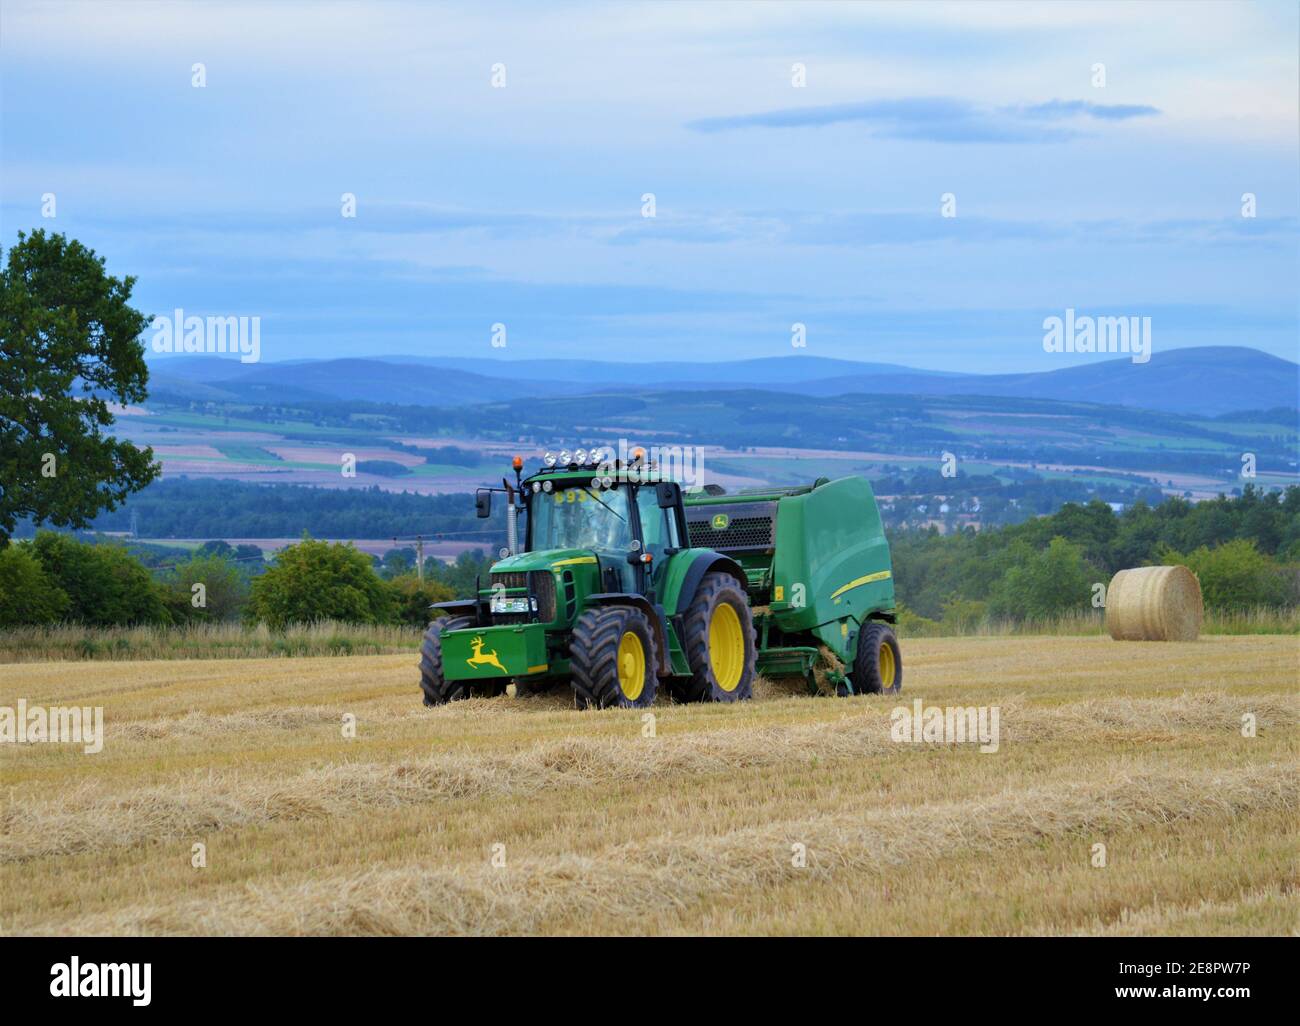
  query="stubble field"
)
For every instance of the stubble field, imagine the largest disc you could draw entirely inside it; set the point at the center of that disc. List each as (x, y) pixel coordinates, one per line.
(520, 815)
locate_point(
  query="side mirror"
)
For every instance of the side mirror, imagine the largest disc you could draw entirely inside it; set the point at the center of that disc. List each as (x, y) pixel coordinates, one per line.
(669, 493)
(483, 504)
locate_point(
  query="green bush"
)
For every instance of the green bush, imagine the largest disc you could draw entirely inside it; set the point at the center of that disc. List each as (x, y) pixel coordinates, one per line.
(412, 598)
(28, 595)
(464, 575)
(104, 584)
(911, 625)
(1234, 575)
(1044, 584)
(222, 597)
(962, 616)
(316, 580)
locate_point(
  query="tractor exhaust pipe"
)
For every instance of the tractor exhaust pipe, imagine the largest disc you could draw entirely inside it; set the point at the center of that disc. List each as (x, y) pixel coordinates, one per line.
(512, 523)
(512, 510)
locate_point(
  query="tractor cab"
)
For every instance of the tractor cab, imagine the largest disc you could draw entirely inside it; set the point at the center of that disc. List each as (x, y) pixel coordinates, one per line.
(589, 510)
(629, 525)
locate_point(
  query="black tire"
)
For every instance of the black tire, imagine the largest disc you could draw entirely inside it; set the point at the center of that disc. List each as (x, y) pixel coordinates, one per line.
(594, 659)
(437, 690)
(703, 686)
(866, 675)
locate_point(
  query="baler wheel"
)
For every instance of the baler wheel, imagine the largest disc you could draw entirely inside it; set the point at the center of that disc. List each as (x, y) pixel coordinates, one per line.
(878, 664)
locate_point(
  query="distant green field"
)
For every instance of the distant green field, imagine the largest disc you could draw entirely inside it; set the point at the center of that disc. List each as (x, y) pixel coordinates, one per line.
(288, 429)
(986, 434)
(1171, 443)
(784, 470)
(790, 470)
(268, 460)
(481, 470)
(247, 453)
(1248, 428)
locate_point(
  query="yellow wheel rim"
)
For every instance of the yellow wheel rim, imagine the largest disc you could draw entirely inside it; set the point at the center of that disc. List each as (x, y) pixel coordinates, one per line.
(631, 666)
(888, 668)
(726, 646)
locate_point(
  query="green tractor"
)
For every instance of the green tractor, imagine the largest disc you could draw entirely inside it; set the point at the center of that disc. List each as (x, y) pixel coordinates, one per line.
(623, 586)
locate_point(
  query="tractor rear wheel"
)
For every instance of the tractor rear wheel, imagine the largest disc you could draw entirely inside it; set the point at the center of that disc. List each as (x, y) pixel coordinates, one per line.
(878, 663)
(718, 639)
(438, 690)
(613, 659)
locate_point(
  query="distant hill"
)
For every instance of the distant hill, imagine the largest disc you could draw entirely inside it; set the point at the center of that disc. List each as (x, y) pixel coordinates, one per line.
(462, 381)
(768, 370)
(1210, 380)
(351, 380)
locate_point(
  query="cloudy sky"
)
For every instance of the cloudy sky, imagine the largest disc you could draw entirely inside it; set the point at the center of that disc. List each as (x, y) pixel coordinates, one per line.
(775, 203)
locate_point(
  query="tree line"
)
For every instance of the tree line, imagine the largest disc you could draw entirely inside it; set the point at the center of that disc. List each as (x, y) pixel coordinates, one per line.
(1245, 550)
(55, 578)
(196, 508)
(200, 508)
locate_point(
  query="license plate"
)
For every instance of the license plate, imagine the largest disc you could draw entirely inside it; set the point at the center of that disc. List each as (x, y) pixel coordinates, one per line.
(512, 605)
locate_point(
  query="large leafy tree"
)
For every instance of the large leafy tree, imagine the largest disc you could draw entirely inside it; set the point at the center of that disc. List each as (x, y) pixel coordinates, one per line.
(71, 349)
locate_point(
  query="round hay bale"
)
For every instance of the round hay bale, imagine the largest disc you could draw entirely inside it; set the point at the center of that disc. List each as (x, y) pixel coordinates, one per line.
(1154, 603)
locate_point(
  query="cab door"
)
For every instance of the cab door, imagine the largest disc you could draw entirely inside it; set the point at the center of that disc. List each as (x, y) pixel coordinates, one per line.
(660, 534)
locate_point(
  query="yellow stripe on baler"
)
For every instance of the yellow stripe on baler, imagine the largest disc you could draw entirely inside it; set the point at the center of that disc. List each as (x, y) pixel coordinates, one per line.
(858, 582)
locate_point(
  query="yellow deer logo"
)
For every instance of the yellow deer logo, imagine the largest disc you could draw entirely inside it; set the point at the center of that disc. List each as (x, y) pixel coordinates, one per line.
(481, 658)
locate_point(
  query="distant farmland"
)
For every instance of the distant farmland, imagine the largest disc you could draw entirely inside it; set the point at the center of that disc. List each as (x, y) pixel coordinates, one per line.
(445, 550)
(835, 436)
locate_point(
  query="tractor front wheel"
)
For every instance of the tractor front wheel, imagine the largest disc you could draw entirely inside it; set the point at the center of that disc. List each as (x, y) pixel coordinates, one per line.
(613, 658)
(718, 639)
(437, 689)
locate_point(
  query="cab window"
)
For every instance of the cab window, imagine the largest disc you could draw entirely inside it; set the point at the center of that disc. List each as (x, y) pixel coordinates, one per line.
(659, 526)
(581, 517)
